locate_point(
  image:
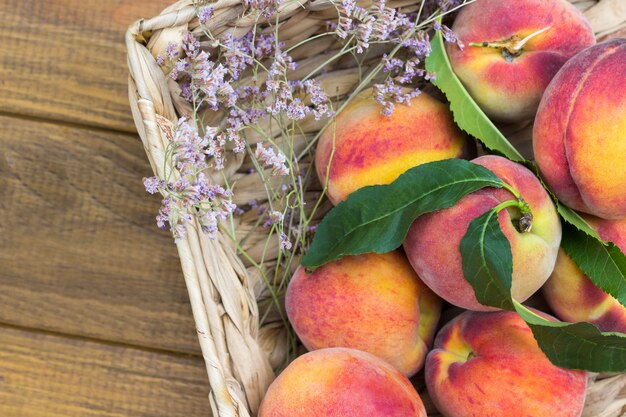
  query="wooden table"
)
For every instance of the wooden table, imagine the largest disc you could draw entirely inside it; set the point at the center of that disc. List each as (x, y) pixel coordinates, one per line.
(94, 316)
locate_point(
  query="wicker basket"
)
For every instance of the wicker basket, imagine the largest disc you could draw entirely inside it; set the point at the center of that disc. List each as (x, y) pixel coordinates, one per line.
(241, 357)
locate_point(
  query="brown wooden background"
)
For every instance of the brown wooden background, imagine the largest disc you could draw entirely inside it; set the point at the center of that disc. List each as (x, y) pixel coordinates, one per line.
(94, 317)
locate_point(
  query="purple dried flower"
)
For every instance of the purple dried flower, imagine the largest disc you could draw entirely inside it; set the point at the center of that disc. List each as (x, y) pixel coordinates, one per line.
(276, 217)
(191, 45)
(269, 158)
(205, 14)
(451, 37)
(347, 7)
(448, 4)
(265, 45)
(419, 44)
(285, 244)
(237, 54)
(170, 53)
(386, 21)
(179, 67)
(153, 184)
(171, 50)
(186, 92)
(265, 7)
(208, 223)
(390, 64)
(364, 32)
(296, 110)
(282, 63)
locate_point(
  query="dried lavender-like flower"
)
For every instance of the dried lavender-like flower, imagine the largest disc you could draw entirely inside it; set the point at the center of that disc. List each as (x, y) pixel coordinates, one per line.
(170, 54)
(448, 35)
(276, 216)
(179, 67)
(264, 7)
(270, 159)
(205, 14)
(285, 243)
(191, 45)
(153, 184)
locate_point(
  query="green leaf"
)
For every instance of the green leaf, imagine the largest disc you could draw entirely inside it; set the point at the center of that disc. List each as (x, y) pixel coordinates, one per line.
(487, 261)
(466, 112)
(568, 345)
(377, 218)
(577, 345)
(604, 264)
(573, 218)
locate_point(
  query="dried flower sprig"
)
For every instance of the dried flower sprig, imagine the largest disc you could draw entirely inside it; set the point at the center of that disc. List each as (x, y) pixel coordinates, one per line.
(250, 80)
(191, 192)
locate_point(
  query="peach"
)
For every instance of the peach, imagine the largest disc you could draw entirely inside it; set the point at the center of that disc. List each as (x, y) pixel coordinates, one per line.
(372, 302)
(364, 147)
(341, 382)
(489, 365)
(432, 243)
(579, 137)
(574, 297)
(508, 77)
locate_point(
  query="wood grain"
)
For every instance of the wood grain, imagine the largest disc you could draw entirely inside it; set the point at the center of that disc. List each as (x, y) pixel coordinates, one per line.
(79, 250)
(43, 375)
(66, 60)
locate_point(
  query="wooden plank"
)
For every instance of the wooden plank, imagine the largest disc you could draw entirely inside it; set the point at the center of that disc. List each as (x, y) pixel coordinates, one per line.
(80, 252)
(43, 375)
(66, 59)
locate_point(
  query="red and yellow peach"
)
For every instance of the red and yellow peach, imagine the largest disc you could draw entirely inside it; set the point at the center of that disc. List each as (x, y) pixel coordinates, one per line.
(364, 147)
(341, 383)
(579, 137)
(529, 41)
(432, 243)
(574, 297)
(489, 365)
(372, 302)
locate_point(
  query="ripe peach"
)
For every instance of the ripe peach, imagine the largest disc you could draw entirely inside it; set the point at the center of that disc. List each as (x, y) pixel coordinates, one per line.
(341, 383)
(579, 137)
(489, 365)
(574, 297)
(432, 243)
(372, 302)
(508, 77)
(371, 148)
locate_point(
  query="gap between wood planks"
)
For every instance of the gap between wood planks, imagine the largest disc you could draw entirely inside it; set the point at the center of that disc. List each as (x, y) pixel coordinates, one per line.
(70, 124)
(112, 343)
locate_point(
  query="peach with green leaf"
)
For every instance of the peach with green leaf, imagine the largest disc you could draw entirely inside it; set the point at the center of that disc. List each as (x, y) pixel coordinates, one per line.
(489, 365)
(433, 241)
(513, 49)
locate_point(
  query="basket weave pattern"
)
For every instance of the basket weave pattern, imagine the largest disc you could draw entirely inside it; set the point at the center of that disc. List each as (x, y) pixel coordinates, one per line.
(224, 290)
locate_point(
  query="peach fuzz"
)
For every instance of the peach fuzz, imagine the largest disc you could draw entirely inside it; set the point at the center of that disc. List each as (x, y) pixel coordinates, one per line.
(579, 137)
(372, 302)
(432, 243)
(508, 86)
(574, 297)
(365, 147)
(489, 365)
(341, 382)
